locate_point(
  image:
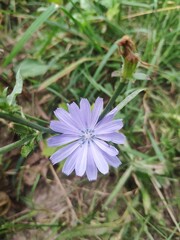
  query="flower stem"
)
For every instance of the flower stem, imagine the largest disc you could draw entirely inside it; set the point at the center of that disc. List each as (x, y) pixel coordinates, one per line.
(112, 100)
(25, 122)
(16, 144)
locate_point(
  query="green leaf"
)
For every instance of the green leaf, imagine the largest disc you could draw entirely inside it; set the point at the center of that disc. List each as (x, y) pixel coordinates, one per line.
(17, 89)
(96, 85)
(141, 76)
(156, 148)
(63, 73)
(129, 98)
(119, 186)
(105, 59)
(146, 200)
(26, 149)
(32, 68)
(30, 31)
(14, 145)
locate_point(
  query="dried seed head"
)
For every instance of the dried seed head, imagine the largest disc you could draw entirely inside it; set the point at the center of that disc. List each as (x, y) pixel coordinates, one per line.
(128, 51)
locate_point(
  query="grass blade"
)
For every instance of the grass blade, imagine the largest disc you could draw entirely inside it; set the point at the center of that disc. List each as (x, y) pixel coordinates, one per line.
(119, 185)
(30, 31)
(62, 73)
(129, 98)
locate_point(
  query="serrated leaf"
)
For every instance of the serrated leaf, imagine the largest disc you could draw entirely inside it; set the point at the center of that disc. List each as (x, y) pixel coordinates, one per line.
(22, 130)
(17, 89)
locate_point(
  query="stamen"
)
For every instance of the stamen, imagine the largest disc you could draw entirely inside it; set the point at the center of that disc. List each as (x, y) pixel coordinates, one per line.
(87, 135)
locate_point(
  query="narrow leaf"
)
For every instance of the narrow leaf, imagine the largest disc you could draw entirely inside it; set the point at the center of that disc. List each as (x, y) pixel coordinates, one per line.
(105, 59)
(17, 88)
(30, 31)
(129, 98)
(119, 186)
(156, 148)
(141, 76)
(96, 85)
(62, 73)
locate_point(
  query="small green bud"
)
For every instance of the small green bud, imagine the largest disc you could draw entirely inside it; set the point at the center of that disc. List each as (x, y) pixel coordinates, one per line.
(129, 66)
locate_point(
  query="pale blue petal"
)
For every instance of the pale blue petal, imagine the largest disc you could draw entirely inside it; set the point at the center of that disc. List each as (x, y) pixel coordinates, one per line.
(70, 163)
(98, 107)
(113, 112)
(60, 127)
(110, 150)
(76, 115)
(112, 161)
(66, 118)
(106, 120)
(91, 169)
(117, 138)
(99, 160)
(80, 166)
(85, 110)
(109, 127)
(64, 152)
(61, 140)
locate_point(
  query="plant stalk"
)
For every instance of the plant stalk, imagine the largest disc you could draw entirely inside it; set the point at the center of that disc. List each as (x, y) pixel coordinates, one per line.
(25, 123)
(14, 145)
(112, 100)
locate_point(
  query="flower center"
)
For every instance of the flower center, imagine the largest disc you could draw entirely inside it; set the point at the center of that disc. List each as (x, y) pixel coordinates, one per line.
(87, 135)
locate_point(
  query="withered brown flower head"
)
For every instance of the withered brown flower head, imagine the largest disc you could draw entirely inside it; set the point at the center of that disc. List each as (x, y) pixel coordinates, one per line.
(126, 45)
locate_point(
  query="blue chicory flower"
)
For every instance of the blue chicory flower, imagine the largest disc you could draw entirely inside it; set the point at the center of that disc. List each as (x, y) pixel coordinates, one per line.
(85, 139)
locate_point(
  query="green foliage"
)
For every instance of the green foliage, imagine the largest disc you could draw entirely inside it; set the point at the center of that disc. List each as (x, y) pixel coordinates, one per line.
(32, 68)
(16, 90)
(69, 51)
(32, 29)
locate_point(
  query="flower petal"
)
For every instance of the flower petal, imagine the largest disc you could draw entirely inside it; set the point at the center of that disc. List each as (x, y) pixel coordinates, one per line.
(109, 127)
(98, 107)
(80, 166)
(76, 114)
(60, 127)
(70, 163)
(108, 118)
(64, 152)
(66, 118)
(105, 120)
(110, 150)
(117, 138)
(85, 110)
(91, 169)
(99, 160)
(113, 161)
(113, 112)
(61, 140)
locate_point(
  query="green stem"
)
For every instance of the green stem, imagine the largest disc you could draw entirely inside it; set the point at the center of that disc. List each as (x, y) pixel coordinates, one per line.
(112, 100)
(25, 123)
(14, 145)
